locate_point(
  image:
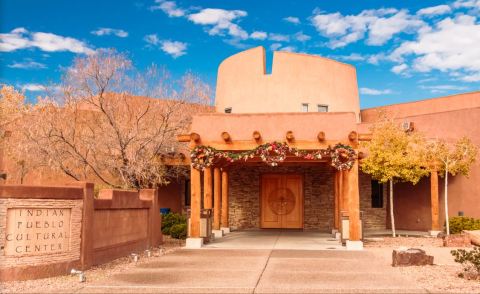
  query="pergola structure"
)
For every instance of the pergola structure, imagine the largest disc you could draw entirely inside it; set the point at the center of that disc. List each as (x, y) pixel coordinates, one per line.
(219, 142)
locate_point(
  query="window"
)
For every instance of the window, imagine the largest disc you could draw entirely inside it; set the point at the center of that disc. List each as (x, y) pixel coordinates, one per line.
(228, 110)
(304, 107)
(322, 108)
(377, 194)
(187, 192)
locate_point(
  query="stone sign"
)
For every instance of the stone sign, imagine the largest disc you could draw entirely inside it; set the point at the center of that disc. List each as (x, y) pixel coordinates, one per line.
(36, 231)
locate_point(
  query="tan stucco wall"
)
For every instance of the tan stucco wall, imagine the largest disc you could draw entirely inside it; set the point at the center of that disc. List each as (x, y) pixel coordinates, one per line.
(295, 79)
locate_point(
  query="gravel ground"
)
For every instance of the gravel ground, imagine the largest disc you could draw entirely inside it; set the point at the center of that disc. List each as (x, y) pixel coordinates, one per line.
(442, 277)
(70, 284)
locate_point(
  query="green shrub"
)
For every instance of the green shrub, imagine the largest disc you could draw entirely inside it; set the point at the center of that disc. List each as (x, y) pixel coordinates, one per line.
(171, 219)
(460, 223)
(179, 231)
(470, 261)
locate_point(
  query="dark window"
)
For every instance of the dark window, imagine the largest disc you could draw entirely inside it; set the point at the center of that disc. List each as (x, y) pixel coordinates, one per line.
(304, 107)
(187, 192)
(377, 194)
(322, 108)
(228, 110)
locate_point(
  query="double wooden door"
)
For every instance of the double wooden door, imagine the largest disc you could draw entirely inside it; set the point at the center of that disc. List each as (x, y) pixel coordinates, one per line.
(282, 201)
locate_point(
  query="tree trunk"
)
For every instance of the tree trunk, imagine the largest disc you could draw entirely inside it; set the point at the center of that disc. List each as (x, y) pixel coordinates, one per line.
(447, 224)
(392, 218)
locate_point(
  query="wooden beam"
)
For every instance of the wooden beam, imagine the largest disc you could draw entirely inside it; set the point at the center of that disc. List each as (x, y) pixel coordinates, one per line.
(289, 136)
(195, 137)
(336, 220)
(321, 136)
(217, 189)
(352, 193)
(195, 202)
(226, 137)
(224, 218)
(352, 136)
(207, 188)
(434, 200)
(241, 145)
(183, 138)
(257, 136)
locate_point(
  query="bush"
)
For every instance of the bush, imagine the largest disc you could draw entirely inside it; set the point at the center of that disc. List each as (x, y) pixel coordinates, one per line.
(460, 223)
(171, 219)
(470, 261)
(179, 231)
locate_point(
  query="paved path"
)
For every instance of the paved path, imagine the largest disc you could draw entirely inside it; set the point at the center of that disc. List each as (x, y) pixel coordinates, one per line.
(259, 271)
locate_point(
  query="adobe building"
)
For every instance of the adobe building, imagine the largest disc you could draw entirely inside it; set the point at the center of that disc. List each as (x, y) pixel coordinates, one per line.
(282, 151)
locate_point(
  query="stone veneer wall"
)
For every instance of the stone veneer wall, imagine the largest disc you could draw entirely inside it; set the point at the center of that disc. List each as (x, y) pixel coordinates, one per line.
(244, 197)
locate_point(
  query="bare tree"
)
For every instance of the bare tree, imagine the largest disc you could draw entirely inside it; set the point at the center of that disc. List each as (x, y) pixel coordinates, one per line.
(104, 122)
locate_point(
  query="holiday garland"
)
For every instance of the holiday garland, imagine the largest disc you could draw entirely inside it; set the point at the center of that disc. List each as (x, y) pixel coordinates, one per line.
(342, 156)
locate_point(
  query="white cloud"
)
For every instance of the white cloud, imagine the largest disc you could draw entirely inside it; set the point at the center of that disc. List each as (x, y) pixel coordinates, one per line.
(20, 38)
(451, 46)
(278, 37)
(258, 35)
(351, 57)
(33, 87)
(300, 36)
(471, 77)
(169, 7)
(370, 91)
(443, 88)
(27, 64)
(380, 25)
(292, 19)
(221, 21)
(280, 47)
(275, 46)
(467, 4)
(398, 69)
(174, 48)
(435, 10)
(109, 31)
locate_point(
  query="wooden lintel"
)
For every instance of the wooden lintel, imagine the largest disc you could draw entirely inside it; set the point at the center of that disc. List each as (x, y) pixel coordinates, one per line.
(257, 136)
(226, 137)
(321, 136)
(289, 136)
(183, 138)
(364, 137)
(352, 136)
(242, 145)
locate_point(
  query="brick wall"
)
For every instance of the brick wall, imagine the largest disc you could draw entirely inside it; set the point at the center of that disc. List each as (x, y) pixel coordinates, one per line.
(244, 204)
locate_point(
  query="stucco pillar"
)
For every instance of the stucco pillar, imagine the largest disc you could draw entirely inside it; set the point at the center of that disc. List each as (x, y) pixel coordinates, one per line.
(217, 182)
(434, 202)
(224, 218)
(353, 195)
(207, 188)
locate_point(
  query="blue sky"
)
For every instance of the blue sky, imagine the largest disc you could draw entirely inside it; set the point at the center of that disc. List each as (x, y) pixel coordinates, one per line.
(403, 50)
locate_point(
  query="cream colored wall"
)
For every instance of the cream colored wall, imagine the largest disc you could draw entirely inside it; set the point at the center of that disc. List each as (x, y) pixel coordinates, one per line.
(295, 79)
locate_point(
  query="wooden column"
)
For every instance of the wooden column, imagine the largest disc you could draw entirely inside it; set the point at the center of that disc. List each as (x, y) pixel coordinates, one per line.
(353, 195)
(217, 189)
(224, 221)
(207, 188)
(195, 202)
(336, 219)
(434, 200)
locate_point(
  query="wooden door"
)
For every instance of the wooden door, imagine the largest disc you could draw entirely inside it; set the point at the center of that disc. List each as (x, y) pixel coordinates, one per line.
(282, 201)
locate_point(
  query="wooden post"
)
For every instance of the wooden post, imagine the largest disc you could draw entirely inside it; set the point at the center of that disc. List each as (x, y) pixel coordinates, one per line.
(224, 220)
(434, 200)
(217, 182)
(207, 188)
(336, 218)
(195, 202)
(353, 195)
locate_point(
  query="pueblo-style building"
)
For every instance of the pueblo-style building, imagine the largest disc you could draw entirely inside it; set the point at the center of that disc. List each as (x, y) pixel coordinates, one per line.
(282, 151)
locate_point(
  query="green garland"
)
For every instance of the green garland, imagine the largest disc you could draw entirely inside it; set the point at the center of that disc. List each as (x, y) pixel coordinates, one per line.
(343, 156)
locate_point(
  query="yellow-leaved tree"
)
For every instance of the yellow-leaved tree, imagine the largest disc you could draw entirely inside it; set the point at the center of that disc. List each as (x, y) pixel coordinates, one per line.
(451, 158)
(393, 156)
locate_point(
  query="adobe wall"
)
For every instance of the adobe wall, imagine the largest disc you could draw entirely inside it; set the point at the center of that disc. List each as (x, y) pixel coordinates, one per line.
(172, 196)
(295, 79)
(244, 197)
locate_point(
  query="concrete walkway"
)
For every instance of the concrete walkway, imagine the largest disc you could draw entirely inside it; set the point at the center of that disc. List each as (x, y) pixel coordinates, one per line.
(276, 239)
(259, 271)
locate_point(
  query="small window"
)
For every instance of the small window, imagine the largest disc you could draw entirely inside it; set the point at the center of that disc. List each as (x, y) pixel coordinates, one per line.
(322, 108)
(187, 193)
(228, 110)
(304, 107)
(377, 194)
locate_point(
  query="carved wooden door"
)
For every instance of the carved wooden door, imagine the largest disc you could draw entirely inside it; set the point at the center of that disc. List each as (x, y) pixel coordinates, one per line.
(282, 201)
